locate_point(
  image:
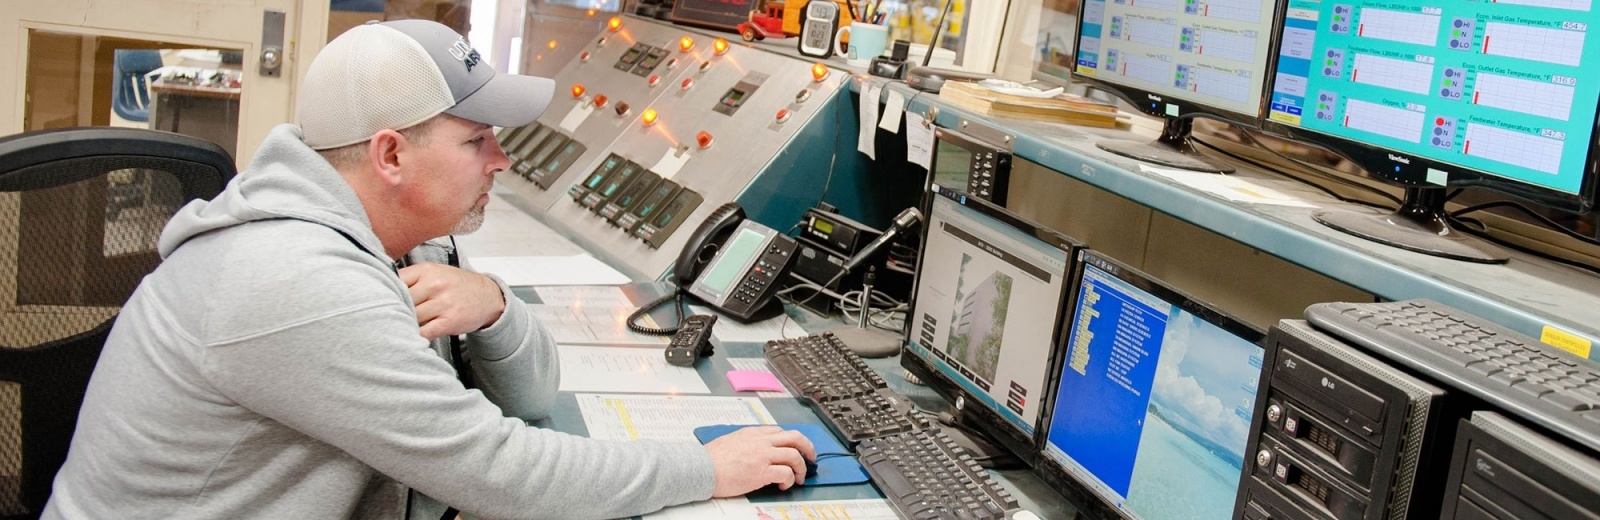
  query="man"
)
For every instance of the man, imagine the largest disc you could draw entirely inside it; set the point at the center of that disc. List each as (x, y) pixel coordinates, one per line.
(277, 364)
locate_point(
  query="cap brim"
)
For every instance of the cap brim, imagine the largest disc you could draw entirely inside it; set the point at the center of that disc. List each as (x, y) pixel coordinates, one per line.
(507, 100)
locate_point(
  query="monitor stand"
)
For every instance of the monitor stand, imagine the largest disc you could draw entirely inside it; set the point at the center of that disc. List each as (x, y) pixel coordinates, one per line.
(1171, 149)
(1419, 225)
(985, 452)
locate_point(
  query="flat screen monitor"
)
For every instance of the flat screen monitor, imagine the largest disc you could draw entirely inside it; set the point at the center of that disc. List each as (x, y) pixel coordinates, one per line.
(1445, 94)
(1174, 58)
(1155, 394)
(986, 314)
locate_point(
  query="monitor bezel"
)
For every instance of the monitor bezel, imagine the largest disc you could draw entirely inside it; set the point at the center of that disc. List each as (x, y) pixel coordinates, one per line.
(1410, 170)
(1023, 445)
(1156, 104)
(1056, 474)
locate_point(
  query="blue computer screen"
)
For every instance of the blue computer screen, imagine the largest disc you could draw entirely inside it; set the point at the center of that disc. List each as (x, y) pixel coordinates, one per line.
(1495, 86)
(1154, 404)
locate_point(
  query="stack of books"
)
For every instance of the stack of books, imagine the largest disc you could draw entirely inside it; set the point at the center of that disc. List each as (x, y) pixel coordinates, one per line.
(1063, 108)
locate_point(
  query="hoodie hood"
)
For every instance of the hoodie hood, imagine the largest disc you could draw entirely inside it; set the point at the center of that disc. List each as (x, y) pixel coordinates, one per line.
(285, 179)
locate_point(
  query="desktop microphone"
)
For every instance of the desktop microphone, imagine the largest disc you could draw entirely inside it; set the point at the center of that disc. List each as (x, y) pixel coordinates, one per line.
(903, 221)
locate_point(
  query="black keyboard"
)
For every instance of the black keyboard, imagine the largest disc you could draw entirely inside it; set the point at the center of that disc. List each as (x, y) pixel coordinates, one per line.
(854, 401)
(925, 475)
(1526, 377)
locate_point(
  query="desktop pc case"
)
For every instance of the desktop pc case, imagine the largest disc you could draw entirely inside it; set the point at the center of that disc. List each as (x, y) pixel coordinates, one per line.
(1338, 434)
(1501, 469)
(968, 409)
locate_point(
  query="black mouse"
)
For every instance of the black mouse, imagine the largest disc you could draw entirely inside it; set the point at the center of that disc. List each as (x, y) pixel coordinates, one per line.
(811, 469)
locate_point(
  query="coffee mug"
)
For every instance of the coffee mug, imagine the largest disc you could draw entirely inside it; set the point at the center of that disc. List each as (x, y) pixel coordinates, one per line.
(867, 41)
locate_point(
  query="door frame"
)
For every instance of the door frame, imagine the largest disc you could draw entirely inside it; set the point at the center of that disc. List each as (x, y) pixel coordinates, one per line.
(265, 102)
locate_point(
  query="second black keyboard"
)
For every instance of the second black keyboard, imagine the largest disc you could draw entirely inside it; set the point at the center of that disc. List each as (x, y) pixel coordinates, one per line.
(925, 475)
(851, 397)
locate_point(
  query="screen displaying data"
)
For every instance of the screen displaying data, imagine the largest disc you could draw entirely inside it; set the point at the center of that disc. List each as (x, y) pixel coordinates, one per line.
(1494, 86)
(987, 304)
(1212, 52)
(1154, 404)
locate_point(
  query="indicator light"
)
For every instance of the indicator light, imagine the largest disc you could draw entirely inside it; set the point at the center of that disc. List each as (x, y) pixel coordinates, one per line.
(600, 100)
(688, 82)
(819, 71)
(685, 43)
(614, 23)
(703, 139)
(552, 44)
(584, 57)
(720, 46)
(648, 117)
(783, 115)
(577, 90)
(654, 79)
(622, 109)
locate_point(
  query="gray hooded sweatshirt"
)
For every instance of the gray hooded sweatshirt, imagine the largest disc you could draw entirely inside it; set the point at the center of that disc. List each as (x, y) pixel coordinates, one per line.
(272, 367)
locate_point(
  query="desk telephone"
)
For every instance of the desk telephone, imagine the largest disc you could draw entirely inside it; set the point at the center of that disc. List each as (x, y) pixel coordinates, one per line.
(730, 263)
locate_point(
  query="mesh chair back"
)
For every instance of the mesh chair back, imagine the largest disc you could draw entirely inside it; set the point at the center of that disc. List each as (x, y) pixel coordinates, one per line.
(80, 212)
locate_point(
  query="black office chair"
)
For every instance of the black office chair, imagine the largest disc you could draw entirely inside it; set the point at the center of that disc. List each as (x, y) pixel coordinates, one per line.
(80, 212)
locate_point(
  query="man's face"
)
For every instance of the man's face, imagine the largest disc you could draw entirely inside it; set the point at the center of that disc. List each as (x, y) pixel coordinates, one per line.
(455, 172)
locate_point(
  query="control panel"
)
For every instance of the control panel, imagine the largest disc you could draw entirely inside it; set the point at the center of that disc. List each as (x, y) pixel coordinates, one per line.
(655, 125)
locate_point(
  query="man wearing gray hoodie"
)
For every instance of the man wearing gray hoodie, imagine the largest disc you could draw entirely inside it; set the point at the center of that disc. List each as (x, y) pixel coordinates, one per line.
(278, 363)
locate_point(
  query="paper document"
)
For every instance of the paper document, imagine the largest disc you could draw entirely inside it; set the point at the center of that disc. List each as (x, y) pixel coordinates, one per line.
(585, 325)
(584, 295)
(762, 331)
(579, 269)
(1230, 187)
(919, 141)
(742, 509)
(893, 108)
(665, 417)
(625, 369)
(758, 364)
(868, 120)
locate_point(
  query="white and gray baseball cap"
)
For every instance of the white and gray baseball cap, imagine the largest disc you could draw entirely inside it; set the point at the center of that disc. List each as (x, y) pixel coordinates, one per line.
(393, 75)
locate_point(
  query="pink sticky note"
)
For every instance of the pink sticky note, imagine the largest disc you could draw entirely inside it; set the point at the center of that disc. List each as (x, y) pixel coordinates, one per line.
(754, 381)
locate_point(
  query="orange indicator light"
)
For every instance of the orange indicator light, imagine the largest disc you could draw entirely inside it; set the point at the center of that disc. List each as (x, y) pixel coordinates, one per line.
(614, 23)
(648, 117)
(703, 139)
(577, 90)
(720, 45)
(819, 71)
(685, 43)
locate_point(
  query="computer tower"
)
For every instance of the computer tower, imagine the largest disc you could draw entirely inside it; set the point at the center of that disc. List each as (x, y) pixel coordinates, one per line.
(1338, 434)
(1501, 469)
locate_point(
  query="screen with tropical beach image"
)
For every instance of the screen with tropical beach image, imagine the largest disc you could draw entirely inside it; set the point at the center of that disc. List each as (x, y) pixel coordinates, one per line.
(1154, 405)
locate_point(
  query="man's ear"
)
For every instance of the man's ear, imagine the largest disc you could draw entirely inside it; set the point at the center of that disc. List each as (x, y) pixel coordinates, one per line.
(383, 152)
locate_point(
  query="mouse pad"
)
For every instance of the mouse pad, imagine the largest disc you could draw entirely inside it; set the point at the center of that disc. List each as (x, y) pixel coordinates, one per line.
(831, 469)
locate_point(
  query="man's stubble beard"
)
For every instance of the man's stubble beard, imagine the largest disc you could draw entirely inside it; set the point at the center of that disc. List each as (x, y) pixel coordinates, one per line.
(471, 222)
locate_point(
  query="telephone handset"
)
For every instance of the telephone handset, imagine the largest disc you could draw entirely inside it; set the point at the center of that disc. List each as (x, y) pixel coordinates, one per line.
(730, 263)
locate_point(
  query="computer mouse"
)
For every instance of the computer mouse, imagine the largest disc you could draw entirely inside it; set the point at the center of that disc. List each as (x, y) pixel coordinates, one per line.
(811, 469)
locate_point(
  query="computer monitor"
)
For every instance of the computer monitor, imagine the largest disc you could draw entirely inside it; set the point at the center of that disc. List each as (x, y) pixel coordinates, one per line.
(1155, 395)
(986, 313)
(1175, 58)
(1432, 95)
(1053, 44)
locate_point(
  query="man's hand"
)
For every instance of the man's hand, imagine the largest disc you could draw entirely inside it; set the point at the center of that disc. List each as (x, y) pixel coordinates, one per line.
(452, 300)
(753, 457)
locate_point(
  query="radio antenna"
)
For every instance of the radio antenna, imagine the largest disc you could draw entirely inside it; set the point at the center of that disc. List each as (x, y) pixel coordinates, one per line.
(938, 31)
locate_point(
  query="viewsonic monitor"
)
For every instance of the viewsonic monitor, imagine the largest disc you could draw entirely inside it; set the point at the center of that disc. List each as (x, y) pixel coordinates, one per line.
(986, 314)
(1175, 58)
(1431, 95)
(1155, 395)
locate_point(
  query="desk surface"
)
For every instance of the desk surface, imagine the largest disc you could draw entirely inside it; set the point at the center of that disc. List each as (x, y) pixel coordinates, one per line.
(509, 232)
